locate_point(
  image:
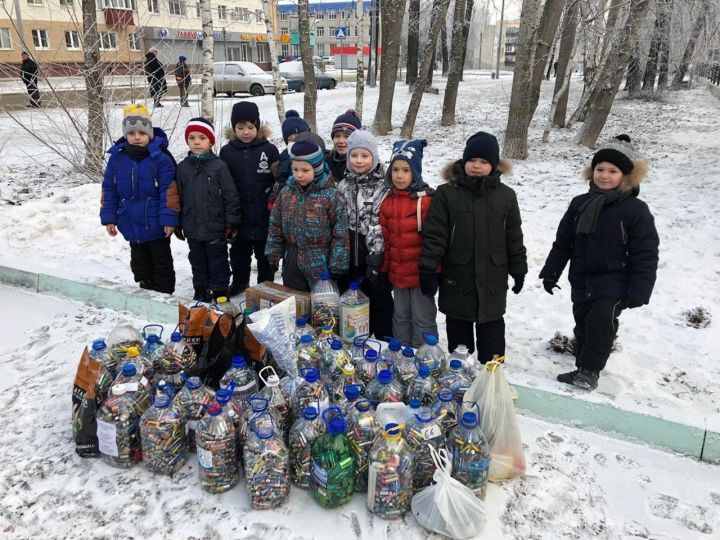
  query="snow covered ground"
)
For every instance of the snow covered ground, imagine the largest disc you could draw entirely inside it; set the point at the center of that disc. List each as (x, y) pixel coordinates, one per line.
(663, 367)
(578, 485)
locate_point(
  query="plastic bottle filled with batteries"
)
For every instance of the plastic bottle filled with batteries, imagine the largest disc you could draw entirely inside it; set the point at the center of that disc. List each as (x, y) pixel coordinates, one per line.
(423, 432)
(217, 450)
(300, 440)
(363, 428)
(391, 466)
(333, 466)
(192, 399)
(266, 466)
(470, 454)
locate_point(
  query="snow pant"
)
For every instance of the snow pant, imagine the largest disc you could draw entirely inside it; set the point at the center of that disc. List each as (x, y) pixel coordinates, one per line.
(292, 276)
(209, 262)
(184, 93)
(241, 252)
(413, 315)
(596, 325)
(34, 93)
(381, 301)
(152, 265)
(490, 337)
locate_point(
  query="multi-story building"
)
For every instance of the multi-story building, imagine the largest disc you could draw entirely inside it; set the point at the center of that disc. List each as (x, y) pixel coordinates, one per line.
(508, 53)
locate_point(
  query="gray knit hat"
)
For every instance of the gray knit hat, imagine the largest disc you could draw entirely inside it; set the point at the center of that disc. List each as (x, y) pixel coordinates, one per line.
(618, 151)
(363, 139)
(137, 118)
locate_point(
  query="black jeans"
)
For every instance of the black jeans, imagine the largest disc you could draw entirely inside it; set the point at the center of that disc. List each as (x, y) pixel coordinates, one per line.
(152, 265)
(490, 337)
(241, 252)
(34, 93)
(209, 262)
(596, 325)
(381, 301)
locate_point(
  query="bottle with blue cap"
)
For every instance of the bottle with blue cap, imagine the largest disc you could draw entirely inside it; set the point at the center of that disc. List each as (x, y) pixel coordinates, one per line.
(108, 369)
(390, 474)
(470, 454)
(367, 366)
(345, 376)
(192, 399)
(134, 382)
(325, 300)
(118, 430)
(278, 405)
(244, 377)
(354, 313)
(232, 410)
(392, 354)
(267, 463)
(462, 353)
(334, 358)
(430, 354)
(358, 348)
(143, 365)
(424, 431)
(300, 440)
(163, 436)
(310, 392)
(175, 357)
(363, 428)
(424, 387)
(455, 380)
(333, 465)
(302, 328)
(153, 342)
(326, 336)
(406, 368)
(351, 393)
(447, 410)
(255, 412)
(307, 354)
(384, 389)
(217, 450)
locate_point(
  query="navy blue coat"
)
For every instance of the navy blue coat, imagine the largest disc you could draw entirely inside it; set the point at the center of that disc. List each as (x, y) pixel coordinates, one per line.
(140, 197)
(620, 259)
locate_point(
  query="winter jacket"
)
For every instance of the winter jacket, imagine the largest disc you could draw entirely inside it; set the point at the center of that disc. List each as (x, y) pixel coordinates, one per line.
(28, 71)
(182, 74)
(155, 74)
(362, 195)
(253, 167)
(337, 164)
(402, 215)
(473, 231)
(315, 221)
(140, 197)
(209, 198)
(620, 259)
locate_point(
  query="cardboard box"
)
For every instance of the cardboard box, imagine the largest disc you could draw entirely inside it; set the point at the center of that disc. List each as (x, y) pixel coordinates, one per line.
(268, 294)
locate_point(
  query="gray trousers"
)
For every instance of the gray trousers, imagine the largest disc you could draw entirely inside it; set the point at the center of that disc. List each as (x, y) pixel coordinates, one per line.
(414, 313)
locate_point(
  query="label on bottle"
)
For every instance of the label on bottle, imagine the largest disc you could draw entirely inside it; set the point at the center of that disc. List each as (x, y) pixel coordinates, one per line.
(431, 432)
(245, 387)
(372, 481)
(107, 438)
(479, 470)
(129, 386)
(204, 458)
(144, 381)
(320, 475)
(354, 321)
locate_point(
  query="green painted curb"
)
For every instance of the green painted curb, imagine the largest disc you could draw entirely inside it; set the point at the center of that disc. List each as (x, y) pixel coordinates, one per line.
(18, 278)
(711, 448)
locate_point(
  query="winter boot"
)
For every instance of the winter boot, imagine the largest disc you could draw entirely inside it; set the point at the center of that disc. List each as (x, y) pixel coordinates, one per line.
(200, 292)
(145, 284)
(586, 379)
(236, 288)
(568, 378)
(217, 293)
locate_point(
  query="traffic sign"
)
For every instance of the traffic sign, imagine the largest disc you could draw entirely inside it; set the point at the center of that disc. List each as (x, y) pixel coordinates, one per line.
(341, 32)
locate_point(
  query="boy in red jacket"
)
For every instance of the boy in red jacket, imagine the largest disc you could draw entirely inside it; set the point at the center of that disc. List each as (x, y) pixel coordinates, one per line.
(401, 217)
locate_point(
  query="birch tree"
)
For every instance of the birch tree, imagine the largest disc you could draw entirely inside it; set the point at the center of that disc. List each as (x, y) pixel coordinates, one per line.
(390, 19)
(456, 67)
(360, 77)
(566, 61)
(681, 71)
(277, 81)
(95, 139)
(208, 77)
(310, 99)
(548, 26)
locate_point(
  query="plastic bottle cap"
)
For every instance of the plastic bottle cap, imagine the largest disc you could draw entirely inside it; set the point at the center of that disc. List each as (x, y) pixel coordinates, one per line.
(359, 341)
(431, 339)
(337, 425)
(300, 321)
(408, 353)
(213, 409)
(371, 355)
(265, 432)
(455, 364)
(193, 383)
(306, 338)
(385, 376)
(310, 413)
(273, 380)
(351, 391)
(355, 285)
(414, 403)
(347, 369)
(118, 390)
(238, 361)
(221, 299)
(446, 395)
(98, 345)
(311, 375)
(327, 328)
(128, 370)
(336, 345)
(153, 338)
(424, 415)
(162, 401)
(258, 405)
(176, 336)
(132, 352)
(363, 406)
(223, 395)
(392, 429)
(462, 349)
(324, 276)
(394, 345)
(469, 419)
(424, 371)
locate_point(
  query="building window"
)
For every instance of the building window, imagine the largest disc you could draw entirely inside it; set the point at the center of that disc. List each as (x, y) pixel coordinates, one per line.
(284, 50)
(178, 7)
(108, 41)
(222, 12)
(66, 2)
(283, 15)
(321, 49)
(5, 42)
(296, 50)
(283, 31)
(115, 4)
(332, 32)
(320, 31)
(134, 42)
(263, 51)
(153, 6)
(320, 15)
(332, 14)
(35, 2)
(72, 39)
(241, 14)
(40, 39)
(245, 52)
(198, 10)
(259, 15)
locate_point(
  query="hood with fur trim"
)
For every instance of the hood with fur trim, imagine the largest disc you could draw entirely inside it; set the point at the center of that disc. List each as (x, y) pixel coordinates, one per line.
(264, 133)
(630, 182)
(447, 172)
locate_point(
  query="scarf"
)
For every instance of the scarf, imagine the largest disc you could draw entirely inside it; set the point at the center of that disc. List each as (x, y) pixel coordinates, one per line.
(138, 153)
(589, 212)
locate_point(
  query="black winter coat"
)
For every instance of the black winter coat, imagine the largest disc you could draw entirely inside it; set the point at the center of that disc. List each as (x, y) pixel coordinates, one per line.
(253, 167)
(28, 71)
(620, 259)
(155, 74)
(208, 197)
(473, 233)
(337, 164)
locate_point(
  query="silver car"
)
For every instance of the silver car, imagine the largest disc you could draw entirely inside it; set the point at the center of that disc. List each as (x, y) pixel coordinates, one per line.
(243, 77)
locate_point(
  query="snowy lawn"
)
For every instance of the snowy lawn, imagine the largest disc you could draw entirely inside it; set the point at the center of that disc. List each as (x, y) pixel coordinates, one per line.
(662, 366)
(578, 485)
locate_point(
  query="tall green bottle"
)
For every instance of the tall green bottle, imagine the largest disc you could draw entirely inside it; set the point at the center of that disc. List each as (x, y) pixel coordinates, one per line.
(333, 463)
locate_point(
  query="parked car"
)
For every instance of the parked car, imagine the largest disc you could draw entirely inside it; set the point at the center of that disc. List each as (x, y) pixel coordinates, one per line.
(293, 73)
(245, 77)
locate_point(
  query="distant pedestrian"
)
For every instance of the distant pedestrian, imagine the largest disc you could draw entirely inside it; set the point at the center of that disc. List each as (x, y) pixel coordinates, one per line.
(183, 78)
(28, 74)
(155, 76)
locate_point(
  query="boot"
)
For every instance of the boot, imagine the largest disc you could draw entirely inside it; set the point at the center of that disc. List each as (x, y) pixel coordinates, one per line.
(217, 293)
(236, 288)
(145, 284)
(200, 292)
(586, 379)
(568, 378)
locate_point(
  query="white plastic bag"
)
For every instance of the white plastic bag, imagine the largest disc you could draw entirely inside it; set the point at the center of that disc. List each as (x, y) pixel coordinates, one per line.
(395, 412)
(273, 327)
(491, 394)
(448, 507)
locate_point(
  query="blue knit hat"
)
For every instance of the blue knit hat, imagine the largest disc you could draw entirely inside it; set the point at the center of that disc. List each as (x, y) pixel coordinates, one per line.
(412, 152)
(293, 124)
(309, 152)
(347, 122)
(363, 139)
(182, 58)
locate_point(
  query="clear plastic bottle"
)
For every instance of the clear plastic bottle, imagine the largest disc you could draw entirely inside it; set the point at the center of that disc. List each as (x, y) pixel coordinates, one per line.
(333, 466)
(447, 410)
(406, 368)
(163, 437)
(302, 328)
(351, 393)
(120, 339)
(363, 428)
(135, 382)
(307, 353)
(430, 354)
(325, 338)
(175, 357)
(470, 454)
(143, 364)
(334, 359)
(217, 451)
(153, 342)
(278, 406)
(300, 440)
(384, 389)
(357, 351)
(424, 387)
(256, 410)
(233, 411)
(266, 467)
(424, 431)
(310, 393)
(118, 430)
(345, 376)
(108, 369)
(244, 377)
(454, 379)
(366, 367)
(354, 313)
(325, 299)
(461, 353)
(192, 399)
(390, 474)
(224, 305)
(392, 354)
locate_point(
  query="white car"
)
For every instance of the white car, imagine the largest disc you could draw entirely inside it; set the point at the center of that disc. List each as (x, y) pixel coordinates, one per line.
(243, 77)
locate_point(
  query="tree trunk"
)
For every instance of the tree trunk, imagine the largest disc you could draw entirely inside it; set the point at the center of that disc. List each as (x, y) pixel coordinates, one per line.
(517, 125)
(444, 50)
(95, 137)
(648, 81)
(633, 79)
(560, 94)
(664, 53)
(390, 18)
(413, 45)
(565, 64)
(690, 48)
(309, 113)
(360, 78)
(456, 67)
(207, 101)
(469, 6)
(612, 74)
(277, 82)
(438, 18)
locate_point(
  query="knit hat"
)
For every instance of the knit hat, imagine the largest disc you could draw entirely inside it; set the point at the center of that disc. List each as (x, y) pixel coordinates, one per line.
(482, 145)
(309, 152)
(363, 139)
(245, 111)
(201, 125)
(137, 118)
(347, 122)
(617, 151)
(182, 58)
(293, 124)
(412, 153)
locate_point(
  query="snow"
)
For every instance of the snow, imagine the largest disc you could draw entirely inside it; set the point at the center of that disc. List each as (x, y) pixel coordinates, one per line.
(578, 484)
(662, 367)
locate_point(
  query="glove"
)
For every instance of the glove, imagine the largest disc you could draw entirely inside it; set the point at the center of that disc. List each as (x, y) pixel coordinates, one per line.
(429, 283)
(519, 282)
(629, 303)
(230, 234)
(179, 233)
(549, 285)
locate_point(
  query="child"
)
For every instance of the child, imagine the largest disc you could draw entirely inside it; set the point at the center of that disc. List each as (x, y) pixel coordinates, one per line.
(210, 211)
(291, 127)
(252, 161)
(140, 199)
(363, 190)
(402, 214)
(308, 224)
(473, 233)
(342, 128)
(609, 236)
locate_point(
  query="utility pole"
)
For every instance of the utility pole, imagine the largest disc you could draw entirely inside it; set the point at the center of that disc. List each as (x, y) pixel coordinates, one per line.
(499, 47)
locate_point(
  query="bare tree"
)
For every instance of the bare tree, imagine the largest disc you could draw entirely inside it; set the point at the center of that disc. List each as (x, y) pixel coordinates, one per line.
(634, 75)
(456, 67)
(444, 50)
(413, 45)
(652, 60)
(208, 76)
(360, 77)
(277, 81)
(664, 53)
(565, 62)
(560, 94)
(469, 6)
(390, 19)
(310, 100)
(679, 75)
(438, 18)
(94, 140)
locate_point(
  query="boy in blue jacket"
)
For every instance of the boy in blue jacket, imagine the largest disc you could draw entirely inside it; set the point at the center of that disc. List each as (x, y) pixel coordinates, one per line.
(140, 199)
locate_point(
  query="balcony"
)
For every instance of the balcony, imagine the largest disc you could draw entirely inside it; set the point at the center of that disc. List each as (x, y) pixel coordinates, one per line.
(118, 18)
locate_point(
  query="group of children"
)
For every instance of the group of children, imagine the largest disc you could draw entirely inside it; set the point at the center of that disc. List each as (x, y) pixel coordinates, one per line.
(341, 211)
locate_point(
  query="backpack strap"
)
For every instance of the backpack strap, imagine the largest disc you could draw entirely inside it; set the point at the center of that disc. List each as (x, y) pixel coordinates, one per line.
(418, 212)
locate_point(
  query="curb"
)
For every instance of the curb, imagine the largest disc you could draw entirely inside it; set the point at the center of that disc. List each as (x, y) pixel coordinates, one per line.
(696, 442)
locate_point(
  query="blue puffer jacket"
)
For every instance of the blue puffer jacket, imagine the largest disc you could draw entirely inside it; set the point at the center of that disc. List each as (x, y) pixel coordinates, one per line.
(140, 197)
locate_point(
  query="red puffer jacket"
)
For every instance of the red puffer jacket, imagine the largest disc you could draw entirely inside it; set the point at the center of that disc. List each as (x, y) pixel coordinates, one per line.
(401, 231)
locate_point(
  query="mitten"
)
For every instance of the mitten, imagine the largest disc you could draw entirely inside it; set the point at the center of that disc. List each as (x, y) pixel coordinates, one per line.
(549, 285)
(429, 283)
(519, 282)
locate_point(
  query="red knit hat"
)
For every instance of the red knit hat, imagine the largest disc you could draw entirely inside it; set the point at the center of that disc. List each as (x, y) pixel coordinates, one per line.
(201, 126)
